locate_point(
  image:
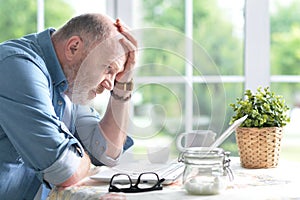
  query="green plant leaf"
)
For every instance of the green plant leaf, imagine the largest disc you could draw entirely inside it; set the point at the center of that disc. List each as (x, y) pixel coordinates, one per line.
(264, 109)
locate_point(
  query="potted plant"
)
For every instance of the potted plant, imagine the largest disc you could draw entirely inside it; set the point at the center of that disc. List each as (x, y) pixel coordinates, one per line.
(259, 136)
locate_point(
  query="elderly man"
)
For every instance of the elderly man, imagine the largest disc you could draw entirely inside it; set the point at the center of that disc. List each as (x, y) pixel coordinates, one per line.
(48, 136)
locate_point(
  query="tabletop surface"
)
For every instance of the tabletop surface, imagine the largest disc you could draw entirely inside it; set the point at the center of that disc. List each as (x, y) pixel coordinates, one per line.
(277, 183)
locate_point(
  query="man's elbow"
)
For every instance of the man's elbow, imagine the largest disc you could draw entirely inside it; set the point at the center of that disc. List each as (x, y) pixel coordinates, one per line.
(81, 172)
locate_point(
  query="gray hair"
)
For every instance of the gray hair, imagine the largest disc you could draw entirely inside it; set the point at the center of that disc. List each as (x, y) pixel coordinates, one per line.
(91, 28)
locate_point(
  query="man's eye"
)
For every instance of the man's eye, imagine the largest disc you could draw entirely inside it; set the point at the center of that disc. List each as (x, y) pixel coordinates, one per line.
(108, 69)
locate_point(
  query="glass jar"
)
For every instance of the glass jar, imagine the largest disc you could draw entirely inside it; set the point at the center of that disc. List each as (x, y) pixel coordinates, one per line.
(206, 171)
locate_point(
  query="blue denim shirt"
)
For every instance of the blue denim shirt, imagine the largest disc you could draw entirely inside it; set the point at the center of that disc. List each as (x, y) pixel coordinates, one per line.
(35, 145)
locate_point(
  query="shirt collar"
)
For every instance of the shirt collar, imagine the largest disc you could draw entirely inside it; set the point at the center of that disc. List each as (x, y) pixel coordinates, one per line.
(57, 75)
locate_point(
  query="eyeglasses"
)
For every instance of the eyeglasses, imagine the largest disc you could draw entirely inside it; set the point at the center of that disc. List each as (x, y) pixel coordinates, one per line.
(148, 181)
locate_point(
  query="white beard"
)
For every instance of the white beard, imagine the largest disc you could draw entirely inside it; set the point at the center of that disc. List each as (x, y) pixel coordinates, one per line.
(81, 93)
(80, 90)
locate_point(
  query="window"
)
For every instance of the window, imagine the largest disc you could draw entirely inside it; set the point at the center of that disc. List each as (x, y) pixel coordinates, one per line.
(195, 58)
(285, 41)
(190, 67)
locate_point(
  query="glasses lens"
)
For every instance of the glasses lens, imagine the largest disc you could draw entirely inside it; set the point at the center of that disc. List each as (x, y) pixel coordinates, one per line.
(121, 181)
(147, 180)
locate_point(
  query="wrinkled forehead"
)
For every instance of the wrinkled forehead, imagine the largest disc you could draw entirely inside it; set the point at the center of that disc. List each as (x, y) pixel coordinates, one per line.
(109, 50)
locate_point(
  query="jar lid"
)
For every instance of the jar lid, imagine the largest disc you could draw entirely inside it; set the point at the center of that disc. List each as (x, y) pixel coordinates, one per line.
(201, 152)
(204, 150)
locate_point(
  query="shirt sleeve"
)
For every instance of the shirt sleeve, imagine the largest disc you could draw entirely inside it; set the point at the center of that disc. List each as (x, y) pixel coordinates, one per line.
(70, 161)
(91, 137)
(28, 118)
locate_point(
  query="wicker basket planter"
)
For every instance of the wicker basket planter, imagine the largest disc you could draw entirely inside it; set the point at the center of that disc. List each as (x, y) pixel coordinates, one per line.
(259, 147)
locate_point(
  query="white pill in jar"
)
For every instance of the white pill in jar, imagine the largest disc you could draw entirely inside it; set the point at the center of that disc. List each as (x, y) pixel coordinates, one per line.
(204, 185)
(206, 171)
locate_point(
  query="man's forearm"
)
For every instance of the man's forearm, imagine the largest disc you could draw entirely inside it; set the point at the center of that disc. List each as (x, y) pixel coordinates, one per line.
(115, 122)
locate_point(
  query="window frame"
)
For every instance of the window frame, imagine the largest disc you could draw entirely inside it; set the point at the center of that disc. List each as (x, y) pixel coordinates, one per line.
(256, 49)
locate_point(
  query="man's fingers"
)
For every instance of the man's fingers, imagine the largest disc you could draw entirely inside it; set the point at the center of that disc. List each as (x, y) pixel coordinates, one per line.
(130, 37)
(124, 30)
(130, 50)
(127, 45)
(123, 26)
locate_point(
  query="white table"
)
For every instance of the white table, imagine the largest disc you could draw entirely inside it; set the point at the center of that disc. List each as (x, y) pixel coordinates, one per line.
(282, 182)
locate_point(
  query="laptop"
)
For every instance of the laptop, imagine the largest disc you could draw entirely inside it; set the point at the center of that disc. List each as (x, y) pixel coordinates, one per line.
(169, 171)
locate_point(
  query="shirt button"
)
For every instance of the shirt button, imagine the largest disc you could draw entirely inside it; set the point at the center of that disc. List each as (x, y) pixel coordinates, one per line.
(59, 102)
(97, 142)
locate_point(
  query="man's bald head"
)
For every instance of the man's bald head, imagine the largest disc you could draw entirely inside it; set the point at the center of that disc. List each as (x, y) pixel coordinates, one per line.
(92, 28)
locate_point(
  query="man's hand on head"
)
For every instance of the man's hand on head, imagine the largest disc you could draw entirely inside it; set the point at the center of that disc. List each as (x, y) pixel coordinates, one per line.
(129, 44)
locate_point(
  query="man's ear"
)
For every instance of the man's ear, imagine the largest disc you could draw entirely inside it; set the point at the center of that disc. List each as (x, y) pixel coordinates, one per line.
(73, 46)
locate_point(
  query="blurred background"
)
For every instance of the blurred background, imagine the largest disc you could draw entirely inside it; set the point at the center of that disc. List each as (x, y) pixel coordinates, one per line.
(195, 58)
